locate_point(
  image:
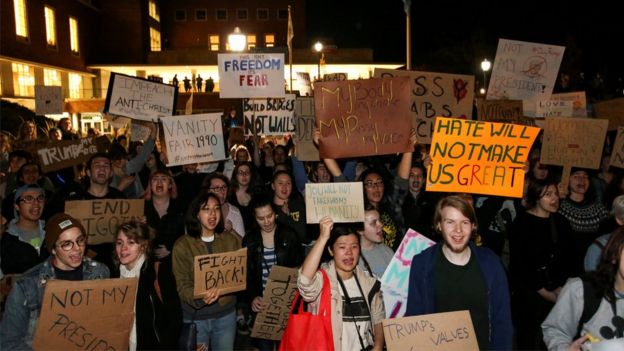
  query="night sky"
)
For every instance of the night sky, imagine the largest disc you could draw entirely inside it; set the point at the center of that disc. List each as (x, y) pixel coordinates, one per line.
(455, 36)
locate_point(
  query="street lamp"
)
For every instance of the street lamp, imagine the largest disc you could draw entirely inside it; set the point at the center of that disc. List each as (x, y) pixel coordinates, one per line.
(237, 40)
(318, 47)
(485, 66)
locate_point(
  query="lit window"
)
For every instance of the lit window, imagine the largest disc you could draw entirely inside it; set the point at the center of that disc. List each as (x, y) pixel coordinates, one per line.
(221, 14)
(251, 41)
(201, 15)
(21, 20)
(154, 39)
(153, 10)
(214, 43)
(73, 35)
(262, 14)
(23, 80)
(50, 22)
(269, 40)
(241, 14)
(51, 77)
(75, 86)
(180, 15)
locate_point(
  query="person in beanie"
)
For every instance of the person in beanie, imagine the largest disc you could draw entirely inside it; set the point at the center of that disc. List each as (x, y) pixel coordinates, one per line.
(65, 240)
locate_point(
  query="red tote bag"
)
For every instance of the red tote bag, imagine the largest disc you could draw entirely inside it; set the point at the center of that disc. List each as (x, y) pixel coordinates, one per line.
(306, 331)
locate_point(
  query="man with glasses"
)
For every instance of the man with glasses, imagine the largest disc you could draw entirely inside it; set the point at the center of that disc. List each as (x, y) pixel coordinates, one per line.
(65, 240)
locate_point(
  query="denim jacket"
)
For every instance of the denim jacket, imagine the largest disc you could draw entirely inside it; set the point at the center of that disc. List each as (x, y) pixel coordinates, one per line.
(24, 302)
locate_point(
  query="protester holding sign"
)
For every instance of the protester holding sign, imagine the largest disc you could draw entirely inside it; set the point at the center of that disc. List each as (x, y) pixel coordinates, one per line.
(268, 244)
(214, 315)
(375, 256)
(218, 184)
(65, 240)
(357, 307)
(455, 275)
(154, 327)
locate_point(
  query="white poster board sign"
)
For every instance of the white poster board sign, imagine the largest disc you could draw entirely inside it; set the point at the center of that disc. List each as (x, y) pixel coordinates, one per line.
(139, 98)
(271, 116)
(343, 202)
(303, 84)
(524, 71)
(578, 99)
(48, 100)
(251, 75)
(193, 139)
(554, 108)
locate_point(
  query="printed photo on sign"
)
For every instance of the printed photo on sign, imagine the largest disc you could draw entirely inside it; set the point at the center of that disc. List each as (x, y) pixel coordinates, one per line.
(251, 75)
(139, 98)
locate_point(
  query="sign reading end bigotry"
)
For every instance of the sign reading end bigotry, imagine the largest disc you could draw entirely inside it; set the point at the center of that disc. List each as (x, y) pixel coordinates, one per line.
(251, 75)
(479, 157)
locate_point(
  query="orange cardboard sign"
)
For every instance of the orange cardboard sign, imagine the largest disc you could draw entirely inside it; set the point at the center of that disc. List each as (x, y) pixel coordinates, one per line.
(479, 157)
(227, 271)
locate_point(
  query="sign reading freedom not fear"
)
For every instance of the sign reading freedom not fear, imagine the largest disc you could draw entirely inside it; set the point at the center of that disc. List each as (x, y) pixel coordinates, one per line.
(479, 157)
(363, 117)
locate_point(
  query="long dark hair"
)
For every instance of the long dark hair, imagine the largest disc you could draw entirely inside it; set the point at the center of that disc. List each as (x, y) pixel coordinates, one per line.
(234, 181)
(536, 190)
(603, 278)
(339, 229)
(193, 225)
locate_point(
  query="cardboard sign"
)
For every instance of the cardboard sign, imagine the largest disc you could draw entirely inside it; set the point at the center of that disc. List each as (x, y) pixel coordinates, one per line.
(193, 139)
(140, 130)
(278, 297)
(479, 157)
(303, 83)
(227, 271)
(101, 218)
(55, 155)
(435, 94)
(331, 77)
(448, 331)
(343, 202)
(617, 156)
(504, 111)
(524, 71)
(574, 142)
(363, 117)
(613, 110)
(272, 116)
(305, 150)
(395, 281)
(48, 100)
(554, 108)
(86, 315)
(578, 100)
(139, 98)
(117, 122)
(251, 75)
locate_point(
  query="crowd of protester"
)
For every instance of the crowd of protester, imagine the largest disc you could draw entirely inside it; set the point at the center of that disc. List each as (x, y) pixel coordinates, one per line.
(520, 266)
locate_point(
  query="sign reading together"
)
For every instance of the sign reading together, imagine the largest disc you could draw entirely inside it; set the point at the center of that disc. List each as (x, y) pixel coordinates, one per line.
(277, 299)
(479, 157)
(363, 117)
(226, 271)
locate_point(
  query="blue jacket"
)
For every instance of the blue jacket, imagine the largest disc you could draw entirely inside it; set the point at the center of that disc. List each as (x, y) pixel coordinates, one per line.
(23, 305)
(420, 297)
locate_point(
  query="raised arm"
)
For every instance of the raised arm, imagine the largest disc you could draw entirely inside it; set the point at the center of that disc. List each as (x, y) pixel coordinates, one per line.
(311, 262)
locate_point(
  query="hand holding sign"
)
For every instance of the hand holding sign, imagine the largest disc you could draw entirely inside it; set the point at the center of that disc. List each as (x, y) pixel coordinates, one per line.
(211, 295)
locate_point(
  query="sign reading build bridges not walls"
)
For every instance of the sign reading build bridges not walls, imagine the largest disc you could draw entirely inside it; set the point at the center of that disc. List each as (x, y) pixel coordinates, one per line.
(479, 157)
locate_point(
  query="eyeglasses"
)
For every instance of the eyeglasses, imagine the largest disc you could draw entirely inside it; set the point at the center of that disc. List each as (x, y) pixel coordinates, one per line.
(29, 199)
(377, 184)
(219, 188)
(68, 245)
(241, 173)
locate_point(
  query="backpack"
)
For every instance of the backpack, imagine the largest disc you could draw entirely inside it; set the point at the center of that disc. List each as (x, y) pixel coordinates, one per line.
(591, 302)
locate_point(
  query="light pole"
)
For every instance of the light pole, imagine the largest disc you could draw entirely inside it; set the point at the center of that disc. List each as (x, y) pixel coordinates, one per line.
(237, 40)
(318, 47)
(485, 66)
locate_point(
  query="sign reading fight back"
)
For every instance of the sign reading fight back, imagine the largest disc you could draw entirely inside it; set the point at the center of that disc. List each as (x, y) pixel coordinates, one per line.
(226, 271)
(479, 157)
(139, 98)
(251, 75)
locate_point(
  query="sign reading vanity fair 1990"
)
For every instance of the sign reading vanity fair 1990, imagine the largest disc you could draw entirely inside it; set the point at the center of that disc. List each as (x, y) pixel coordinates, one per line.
(251, 75)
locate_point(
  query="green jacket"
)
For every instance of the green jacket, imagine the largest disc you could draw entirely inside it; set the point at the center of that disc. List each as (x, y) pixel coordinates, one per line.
(184, 251)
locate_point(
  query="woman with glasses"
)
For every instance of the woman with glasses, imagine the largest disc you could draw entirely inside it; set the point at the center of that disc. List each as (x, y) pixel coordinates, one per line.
(213, 314)
(218, 184)
(65, 240)
(242, 189)
(154, 327)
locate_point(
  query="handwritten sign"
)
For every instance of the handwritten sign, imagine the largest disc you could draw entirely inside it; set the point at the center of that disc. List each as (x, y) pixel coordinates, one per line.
(395, 281)
(617, 156)
(193, 139)
(101, 218)
(272, 116)
(330, 77)
(363, 117)
(251, 75)
(48, 100)
(435, 94)
(302, 83)
(613, 110)
(140, 130)
(226, 271)
(479, 157)
(504, 111)
(554, 108)
(55, 155)
(575, 142)
(448, 331)
(139, 98)
(89, 315)
(343, 202)
(278, 297)
(117, 122)
(524, 71)
(578, 100)
(305, 150)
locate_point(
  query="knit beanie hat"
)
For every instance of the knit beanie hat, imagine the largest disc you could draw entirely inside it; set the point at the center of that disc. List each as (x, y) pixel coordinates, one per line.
(56, 225)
